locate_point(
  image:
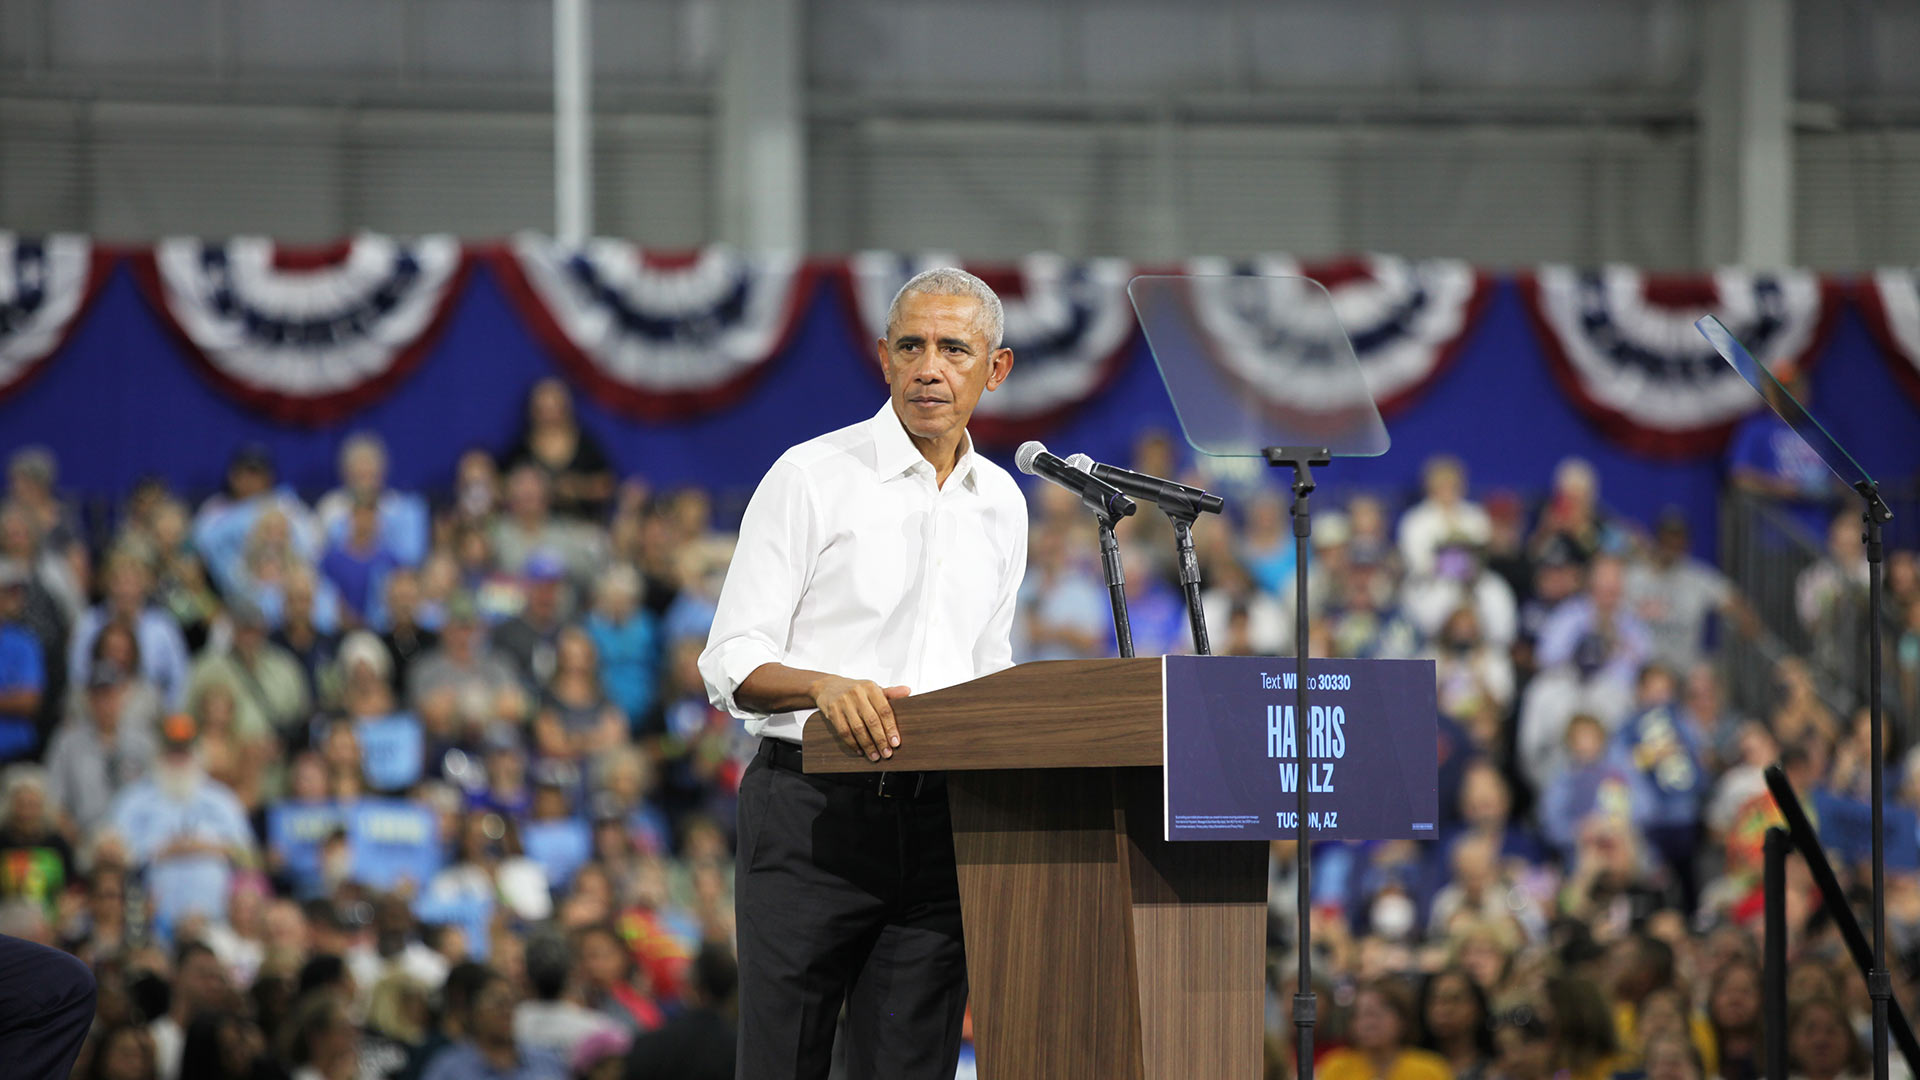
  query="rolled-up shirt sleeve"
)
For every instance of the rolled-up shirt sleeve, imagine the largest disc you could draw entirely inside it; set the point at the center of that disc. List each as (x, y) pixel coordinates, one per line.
(771, 565)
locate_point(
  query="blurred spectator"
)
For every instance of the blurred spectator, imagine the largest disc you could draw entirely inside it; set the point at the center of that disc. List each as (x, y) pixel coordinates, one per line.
(96, 752)
(488, 865)
(1266, 541)
(530, 637)
(1600, 613)
(199, 988)
(1831, 600)
(1573, 514)
(1474, 677)
(1822, 1043)
(627, 639)
(301, 633)
(550, 1020)
(225, 527)
(1457, 1022)
(1363, 621)
(1444, 517)
(698, 1043)
(180, 578)
(36, 862)
(1704, 712)
(225, 1046)
(23, 671)
(186, 831)
(529, 526)
(1456, 578)
(1766, 458)
(1666, 754)
(33, 480)
(1384, 1046)
(488, 1049)
(120, 1052)
(117, 646)
(400, 521)
(462, 666)
(609, 979)
(357, 563)
(1676, 595)
(321, 1042)
(267, 684)
(58, 575)
(555, 443)
(405, 636)
(163, 651)
(1064, 610)
(1232, 597)
(1589, 784)
(397, 1018)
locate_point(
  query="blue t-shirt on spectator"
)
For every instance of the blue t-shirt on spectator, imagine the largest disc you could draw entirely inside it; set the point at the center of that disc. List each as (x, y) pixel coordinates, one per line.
(391, 751)
(22, 668)
(359, 578)
(560, 847)
(629, 660)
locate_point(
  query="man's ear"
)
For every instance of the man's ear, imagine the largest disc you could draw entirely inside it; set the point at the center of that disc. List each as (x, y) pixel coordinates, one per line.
(880, 351)
(1002, 367)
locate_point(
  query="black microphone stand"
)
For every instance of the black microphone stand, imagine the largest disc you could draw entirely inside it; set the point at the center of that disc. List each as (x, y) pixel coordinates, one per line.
(1109, 506)
(1879, 982)
(1301, 460)
(1190, 579)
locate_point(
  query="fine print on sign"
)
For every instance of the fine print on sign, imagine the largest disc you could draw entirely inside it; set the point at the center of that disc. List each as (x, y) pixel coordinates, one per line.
(1233, 770)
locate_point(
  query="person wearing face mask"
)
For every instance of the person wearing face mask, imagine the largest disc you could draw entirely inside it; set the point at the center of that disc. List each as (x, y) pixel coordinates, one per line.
(1382, 1030)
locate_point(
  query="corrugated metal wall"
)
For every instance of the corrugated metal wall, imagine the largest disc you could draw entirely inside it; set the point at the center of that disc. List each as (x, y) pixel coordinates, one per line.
(1505, 131)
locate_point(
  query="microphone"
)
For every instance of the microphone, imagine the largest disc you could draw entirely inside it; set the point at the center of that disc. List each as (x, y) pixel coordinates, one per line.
(1167, 495)
(1098, 495)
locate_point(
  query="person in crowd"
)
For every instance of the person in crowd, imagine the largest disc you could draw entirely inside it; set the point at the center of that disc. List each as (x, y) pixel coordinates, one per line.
(23, 668)
(356, 564)
(36, 862)
(1769, 460)
(1831, 599)
(1822, 1043)
(303, 633)
(97, 752)
(464, 666)
(1573, 513)
(121, 1052)
(185, 831)
(1445, 517)
(1655, 742)
(1384, 1031)
(267, 684)
(1065, 612)
(1733, 1015)
(550, 1020)
(1456, 577)
(1457, 1022)
(699, 1042)
(1676, 595)
(320, 1041)
(488, 1049)
(579, 471)
(225, 1046)
(1590, 784)
(626, 638)
(226, 522)
(529, 525)
(1474, 677)
(163, 651)
(529, 639)
(406, 637)
(490, 866)
(180, 584)
(199, 988)
(118, 646)
(56, 566)
(400, 525)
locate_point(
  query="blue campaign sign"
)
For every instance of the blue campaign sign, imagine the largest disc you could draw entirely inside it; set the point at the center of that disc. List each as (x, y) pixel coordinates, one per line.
(472, 914)
(390, 751)
(296, 831)
(389, 840)
(1846, 827)
(1372, 731)
(560, 847)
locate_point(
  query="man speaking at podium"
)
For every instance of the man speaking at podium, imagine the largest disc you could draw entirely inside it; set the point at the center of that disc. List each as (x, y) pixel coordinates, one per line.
(874, 561)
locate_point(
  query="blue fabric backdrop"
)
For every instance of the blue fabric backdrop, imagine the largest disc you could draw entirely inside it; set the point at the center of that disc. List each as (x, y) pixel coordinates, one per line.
(121, 402)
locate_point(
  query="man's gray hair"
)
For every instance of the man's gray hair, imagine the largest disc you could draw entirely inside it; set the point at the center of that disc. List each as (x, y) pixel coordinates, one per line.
(953, 281)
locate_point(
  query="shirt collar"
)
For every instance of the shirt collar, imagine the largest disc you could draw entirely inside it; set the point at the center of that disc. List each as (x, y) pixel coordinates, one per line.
(894, 453)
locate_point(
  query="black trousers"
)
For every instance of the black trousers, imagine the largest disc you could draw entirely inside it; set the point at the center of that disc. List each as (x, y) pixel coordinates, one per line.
(46, 1007)
(846, 895)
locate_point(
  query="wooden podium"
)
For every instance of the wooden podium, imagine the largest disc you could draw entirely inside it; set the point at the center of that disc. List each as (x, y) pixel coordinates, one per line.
(1095, 950)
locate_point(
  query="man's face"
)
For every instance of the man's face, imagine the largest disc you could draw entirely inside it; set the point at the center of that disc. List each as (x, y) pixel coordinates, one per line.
(202, 982)
(938, 361)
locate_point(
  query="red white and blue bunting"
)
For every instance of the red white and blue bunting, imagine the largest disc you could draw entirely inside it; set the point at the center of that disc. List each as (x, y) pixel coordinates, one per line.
(1890, 299)
(657, 337)
(1623, 346)
(306, 336)
(45, 283)
(1405, 318)
(1068, 323)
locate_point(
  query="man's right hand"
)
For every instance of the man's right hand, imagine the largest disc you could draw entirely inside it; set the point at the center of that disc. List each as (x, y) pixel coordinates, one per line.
(861, 712)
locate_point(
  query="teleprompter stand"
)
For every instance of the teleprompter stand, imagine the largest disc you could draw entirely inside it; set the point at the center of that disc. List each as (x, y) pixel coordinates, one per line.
(1302, 460)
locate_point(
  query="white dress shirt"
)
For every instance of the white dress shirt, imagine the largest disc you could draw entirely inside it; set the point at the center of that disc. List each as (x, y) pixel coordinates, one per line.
(854, 561)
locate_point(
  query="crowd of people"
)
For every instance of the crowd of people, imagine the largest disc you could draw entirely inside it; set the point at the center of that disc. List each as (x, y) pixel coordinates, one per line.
(382, 785)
